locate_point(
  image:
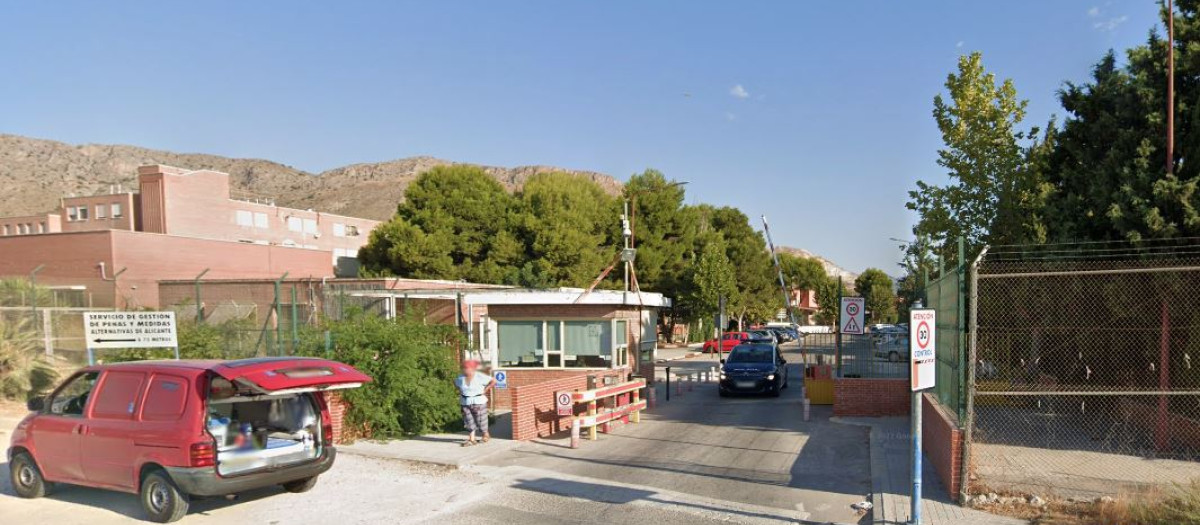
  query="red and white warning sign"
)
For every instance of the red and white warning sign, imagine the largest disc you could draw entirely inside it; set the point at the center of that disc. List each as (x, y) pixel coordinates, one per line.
(922, 345)
(562, 401)
(852, 315)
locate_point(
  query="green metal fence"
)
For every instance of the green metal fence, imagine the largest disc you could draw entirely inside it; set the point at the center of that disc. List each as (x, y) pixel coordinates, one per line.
(947, 295)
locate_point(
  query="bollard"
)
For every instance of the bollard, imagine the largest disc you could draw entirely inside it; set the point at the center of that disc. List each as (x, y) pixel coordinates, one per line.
(575, 434)
(678, 387)
(691, 380)
(806, 407)
(650, 396)
(591, 411)
(668, 388)
(637, 414)
(712, 373)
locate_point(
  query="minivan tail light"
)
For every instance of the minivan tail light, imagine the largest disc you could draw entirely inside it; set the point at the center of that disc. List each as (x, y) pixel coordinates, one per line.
(202, 455)
(327, 433)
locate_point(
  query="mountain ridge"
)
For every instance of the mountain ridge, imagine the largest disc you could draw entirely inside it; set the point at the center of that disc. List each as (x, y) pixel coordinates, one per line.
(36, 173)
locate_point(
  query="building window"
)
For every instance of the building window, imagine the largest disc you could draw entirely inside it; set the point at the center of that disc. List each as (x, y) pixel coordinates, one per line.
(310, 227)
(245, 218)
(521, 344)
(82, 212)
(351, 231)
(261, 220)
(5, 229)
(101, 211)
(295, 224)
(339, 229)
(115, 208)
(561, 344)
(42, 227)
(23, 229)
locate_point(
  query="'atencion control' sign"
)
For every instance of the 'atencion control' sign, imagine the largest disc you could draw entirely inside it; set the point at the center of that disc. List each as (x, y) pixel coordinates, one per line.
(106, 330)
(922, 347)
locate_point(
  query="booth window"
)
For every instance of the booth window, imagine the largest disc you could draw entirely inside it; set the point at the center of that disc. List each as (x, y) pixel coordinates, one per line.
(520, 344)
(562, 343)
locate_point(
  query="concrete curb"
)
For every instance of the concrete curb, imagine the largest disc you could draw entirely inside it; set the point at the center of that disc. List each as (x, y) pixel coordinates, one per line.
(688, 355)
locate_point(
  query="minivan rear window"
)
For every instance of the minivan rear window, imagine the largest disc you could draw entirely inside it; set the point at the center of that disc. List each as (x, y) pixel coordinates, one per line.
(165, 399)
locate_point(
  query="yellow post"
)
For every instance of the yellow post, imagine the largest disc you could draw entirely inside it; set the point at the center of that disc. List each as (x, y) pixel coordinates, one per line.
(592, 412)
(637, 413)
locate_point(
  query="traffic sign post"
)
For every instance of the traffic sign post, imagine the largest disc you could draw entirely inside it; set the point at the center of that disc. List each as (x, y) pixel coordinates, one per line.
(114, 330)
(852, 315)
(922, 351)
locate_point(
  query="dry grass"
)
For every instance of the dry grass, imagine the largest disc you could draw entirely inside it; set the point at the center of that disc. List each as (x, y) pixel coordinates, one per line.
(1178, 505)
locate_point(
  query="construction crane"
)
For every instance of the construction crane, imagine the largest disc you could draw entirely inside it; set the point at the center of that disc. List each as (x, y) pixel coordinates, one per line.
(787, 299)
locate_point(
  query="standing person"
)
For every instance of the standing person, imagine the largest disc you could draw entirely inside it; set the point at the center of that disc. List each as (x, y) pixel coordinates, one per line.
(473, 387)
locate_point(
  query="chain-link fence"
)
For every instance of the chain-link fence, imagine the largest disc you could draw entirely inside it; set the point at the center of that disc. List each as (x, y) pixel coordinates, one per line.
(1086, 368)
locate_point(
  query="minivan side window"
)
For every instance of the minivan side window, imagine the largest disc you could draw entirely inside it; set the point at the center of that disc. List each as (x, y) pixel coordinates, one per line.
(118, 395)
(165, 398)
(71, 398)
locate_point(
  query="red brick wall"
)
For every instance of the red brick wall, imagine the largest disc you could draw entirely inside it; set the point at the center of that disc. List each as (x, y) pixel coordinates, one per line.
(533, 410)
(941, 439)
(871, 397)
(337, 414)
(74, 259)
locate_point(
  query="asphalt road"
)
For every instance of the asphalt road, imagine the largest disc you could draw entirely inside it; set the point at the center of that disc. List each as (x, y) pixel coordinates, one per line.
(747, 450)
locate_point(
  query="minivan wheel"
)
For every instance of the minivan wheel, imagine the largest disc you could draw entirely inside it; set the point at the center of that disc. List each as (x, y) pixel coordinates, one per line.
(161, 499)
(300, 485)
(27, 480)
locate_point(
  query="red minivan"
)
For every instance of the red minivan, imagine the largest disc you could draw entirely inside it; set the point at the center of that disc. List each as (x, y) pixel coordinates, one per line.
(169, 430)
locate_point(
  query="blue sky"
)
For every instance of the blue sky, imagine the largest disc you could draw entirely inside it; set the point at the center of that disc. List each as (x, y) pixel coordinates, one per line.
(816, 114)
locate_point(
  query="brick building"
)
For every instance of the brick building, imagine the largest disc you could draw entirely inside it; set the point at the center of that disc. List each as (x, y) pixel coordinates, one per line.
(537, 335)
(180, 223)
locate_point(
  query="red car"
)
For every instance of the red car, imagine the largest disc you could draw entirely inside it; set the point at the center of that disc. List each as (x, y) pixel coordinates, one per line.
(169, 430)
(728, 341)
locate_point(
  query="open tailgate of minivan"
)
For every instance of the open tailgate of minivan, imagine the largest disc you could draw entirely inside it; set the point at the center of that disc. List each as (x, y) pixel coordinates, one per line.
(285, 375)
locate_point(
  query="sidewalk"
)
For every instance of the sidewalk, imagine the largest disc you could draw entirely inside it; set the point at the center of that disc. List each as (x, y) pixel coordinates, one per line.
(891, 480)
(438, 449)
(672, 354)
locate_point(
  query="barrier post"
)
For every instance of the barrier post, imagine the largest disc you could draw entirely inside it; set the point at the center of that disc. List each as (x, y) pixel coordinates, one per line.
(650, 396)
(807, 404)
(668, 383)
(575, 434)
(636, 417)
(592, 412)
(691, 380)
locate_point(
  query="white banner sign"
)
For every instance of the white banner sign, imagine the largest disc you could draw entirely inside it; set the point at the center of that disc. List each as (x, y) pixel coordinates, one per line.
(852, 315)
(562, 401)
(105, 330)
(922, 348)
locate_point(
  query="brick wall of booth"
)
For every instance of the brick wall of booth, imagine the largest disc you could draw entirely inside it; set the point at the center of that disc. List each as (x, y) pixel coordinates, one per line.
(533, 410)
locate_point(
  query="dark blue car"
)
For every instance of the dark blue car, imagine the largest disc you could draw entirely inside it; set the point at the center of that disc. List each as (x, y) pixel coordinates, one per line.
(753, 369)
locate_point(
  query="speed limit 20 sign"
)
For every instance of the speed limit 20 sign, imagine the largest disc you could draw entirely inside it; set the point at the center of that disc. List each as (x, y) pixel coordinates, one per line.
(922, 345)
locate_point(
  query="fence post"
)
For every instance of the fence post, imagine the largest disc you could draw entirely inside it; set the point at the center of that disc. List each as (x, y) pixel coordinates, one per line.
(277, 308)
(964, 489)
(959, 326)
(329, 345)
(199, 303)
(837, 322)
(33, 292)
(668, 383)
(295, 323)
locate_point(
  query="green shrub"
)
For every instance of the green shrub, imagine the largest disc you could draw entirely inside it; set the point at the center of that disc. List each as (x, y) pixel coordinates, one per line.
(413, 369)
(22, 370)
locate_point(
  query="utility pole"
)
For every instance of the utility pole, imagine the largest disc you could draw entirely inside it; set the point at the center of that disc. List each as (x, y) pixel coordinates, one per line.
(1170, 87)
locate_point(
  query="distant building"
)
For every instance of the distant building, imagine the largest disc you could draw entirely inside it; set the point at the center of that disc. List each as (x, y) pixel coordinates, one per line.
(805, 303)
(178, 224)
